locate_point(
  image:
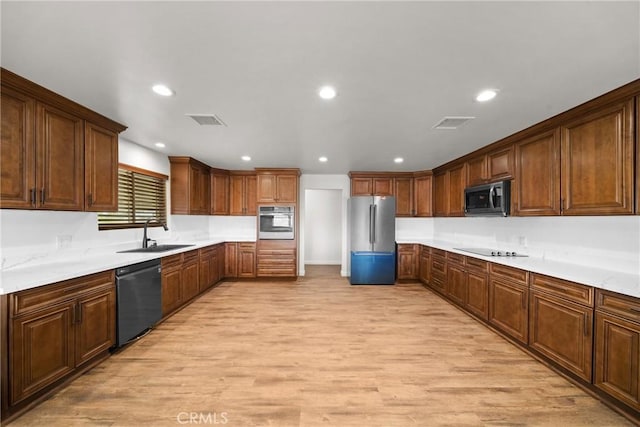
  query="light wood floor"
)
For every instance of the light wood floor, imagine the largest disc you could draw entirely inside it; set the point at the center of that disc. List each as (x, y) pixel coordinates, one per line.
(319, 352)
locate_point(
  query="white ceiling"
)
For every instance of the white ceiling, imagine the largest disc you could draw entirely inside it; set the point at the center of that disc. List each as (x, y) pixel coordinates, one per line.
(399, 67)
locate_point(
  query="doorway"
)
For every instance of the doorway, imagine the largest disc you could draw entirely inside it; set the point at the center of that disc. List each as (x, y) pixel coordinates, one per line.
(323, 228)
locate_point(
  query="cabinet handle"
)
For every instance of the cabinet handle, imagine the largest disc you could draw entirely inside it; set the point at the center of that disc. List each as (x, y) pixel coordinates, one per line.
(42, 196)
(32, 196)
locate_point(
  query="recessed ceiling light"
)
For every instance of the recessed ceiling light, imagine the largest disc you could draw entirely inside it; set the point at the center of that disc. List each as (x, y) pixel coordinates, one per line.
(327, 92)
(323, 159)
(160, 144)
(246, 158)
(163, 90)
(398, 160)
(486, 95)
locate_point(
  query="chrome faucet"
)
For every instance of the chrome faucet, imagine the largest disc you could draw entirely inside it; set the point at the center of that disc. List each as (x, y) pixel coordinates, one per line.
(145, 240)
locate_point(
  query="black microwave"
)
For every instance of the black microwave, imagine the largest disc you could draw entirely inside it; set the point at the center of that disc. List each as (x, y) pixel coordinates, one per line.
(488, 199)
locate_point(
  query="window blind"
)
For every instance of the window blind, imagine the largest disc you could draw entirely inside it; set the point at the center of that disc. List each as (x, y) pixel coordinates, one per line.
(140, 197)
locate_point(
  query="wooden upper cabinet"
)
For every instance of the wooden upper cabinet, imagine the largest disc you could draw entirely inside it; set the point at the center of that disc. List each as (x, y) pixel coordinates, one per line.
(189, 186)
(441, 194)
(597, 162)
(59, 159)
(101, 169)
(383, 186)
(457, 183)
(537, 182)
(423, 190)
(242, 193)
(403, 191)
(367, 184)
(277, 185)
(637, 126)
(48, 143)
(219, 192)
(17, 150)
(477, 170)
(361, 186)
(500, 164)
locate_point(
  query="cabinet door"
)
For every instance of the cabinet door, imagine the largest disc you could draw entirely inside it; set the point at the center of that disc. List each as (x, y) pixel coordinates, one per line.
(617, 364)
(59, 159)
(190, 280)
(500, 164)
(456, 286)
(407, 262)
(477, 170)
(508, 308)
(403, 191)
(236, 195)
(42, 349)
(478, 294)
(597, 162)
(198, 191)
(171, 290)
(361, 186)
(438, 273)
(221, 262)
(231, 260)
(96, 324)
(101, 169)
(17, 151)
(246, 260)
(441, 194)
(267, 185)
(219, 194)
(383, 186)
(251, 196)
(457, 183)
(425, 268)
(287, 189)
(423, 196)
(562, 331)
(537, 184)
(204, 270)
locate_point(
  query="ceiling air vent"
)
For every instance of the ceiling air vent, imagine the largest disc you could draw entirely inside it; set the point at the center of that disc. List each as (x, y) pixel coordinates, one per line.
(452, 122)
(207, 119)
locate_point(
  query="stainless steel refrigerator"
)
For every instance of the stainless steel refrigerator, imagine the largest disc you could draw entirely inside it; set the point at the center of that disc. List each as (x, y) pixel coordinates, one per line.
(372, 224)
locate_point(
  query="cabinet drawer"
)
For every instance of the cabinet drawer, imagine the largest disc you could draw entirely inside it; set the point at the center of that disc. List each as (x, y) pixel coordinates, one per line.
(170, 262)
(621, 305)
(453, 257)
(563, 289)
(189, 257)
(208, 251)
(477, 264)
(438, 266)
(509, 272)
(425, 250)
(247, 246)
(33, 299)
(438, 252)
(276, 271)
(406, 248)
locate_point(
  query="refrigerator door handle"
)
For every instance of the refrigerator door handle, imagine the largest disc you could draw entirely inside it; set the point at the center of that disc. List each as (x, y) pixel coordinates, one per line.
(373, 223)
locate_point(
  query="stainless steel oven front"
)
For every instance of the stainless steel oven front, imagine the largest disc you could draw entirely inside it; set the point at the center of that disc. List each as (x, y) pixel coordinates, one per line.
(276, 222)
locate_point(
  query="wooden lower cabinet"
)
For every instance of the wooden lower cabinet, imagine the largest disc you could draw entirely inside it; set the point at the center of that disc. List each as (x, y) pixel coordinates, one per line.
(190, 275)
(456, 286)
(56, 329)
(407, 262)
(617, 347)
(276, 258)
(425, 265)
(209, 266)
(230, 259)
(246, 260)
(477, 301)
(171, 283)
(438, 271)
(508, 307)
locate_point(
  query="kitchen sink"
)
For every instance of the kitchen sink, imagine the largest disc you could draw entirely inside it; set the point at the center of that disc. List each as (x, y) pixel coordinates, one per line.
(157, 248)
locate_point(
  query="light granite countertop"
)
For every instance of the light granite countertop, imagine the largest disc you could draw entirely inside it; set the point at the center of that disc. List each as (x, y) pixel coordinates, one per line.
(616, 281)
(48, 270)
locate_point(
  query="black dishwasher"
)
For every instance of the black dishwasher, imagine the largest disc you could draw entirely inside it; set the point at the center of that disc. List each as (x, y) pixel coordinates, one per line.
(139, 299)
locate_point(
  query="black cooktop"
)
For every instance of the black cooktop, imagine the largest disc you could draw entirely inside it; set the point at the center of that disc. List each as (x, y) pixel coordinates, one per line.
(490, 252)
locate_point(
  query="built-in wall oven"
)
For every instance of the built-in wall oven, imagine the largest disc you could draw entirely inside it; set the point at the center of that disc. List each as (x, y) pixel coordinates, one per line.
(276, 222)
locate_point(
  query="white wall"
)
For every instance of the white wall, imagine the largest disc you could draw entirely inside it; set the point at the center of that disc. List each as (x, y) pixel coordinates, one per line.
(323, 182)
(323, 227)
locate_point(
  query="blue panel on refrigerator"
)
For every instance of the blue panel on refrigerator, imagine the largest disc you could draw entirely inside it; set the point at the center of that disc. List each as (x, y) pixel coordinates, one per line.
(373, 268)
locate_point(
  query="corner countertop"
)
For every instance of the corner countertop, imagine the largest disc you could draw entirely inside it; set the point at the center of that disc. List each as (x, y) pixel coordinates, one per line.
(39, 272)
(611, 280)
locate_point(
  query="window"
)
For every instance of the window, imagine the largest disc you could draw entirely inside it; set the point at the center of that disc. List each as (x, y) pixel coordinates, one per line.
(142, 196)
